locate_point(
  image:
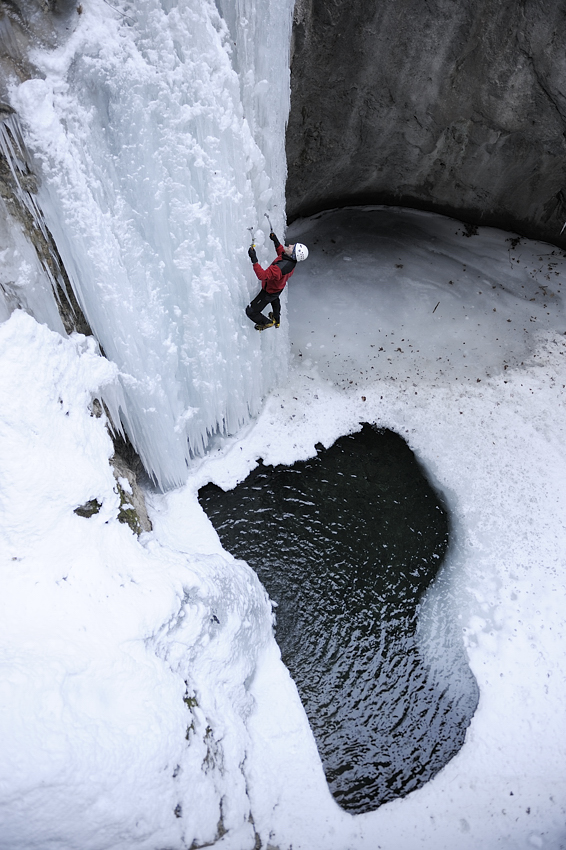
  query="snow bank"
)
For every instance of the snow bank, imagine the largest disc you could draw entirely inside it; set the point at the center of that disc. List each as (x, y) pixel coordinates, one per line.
(125, 665)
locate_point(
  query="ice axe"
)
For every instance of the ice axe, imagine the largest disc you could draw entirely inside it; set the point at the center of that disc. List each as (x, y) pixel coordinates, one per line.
(269, 222)
(252, 236)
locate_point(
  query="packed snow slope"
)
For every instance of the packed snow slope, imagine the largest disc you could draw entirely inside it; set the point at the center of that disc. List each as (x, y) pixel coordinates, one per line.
(144, 704)
(105, 733)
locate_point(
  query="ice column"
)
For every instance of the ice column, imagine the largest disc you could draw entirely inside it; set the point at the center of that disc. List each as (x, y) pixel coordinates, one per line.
(158, 134)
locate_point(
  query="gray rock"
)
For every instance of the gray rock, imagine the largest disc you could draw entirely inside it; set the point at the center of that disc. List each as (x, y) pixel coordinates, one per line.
(128, 470)
(133, 511)
(457, 106)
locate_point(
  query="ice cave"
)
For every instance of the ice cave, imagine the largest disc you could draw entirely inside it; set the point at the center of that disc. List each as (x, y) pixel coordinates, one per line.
(301, 589)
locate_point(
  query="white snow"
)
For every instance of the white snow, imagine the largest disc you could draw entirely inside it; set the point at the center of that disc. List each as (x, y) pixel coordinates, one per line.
(487, 422)
(103, 636)
(101, 631)
(142, 700)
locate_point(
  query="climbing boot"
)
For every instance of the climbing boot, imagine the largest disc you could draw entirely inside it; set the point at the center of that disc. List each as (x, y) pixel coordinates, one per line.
(276, 321)
(264, 326)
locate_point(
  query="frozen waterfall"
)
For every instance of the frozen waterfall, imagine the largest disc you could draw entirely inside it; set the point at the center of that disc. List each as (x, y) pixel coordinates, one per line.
(158, 135)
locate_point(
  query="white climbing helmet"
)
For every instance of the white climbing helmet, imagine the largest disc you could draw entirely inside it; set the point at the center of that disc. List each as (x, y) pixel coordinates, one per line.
(300, 252)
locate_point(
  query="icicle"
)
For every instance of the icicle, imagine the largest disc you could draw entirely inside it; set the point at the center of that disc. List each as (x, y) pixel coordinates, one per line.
(160, 143)
(23, 189)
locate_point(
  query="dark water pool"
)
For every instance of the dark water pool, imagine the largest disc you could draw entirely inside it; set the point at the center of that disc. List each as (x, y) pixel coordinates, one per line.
(346, 544)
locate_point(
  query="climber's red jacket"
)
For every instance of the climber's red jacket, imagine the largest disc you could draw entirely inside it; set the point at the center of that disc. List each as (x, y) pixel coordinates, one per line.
(274, 278)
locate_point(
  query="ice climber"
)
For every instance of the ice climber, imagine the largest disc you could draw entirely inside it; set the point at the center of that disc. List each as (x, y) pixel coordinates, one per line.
(273, 281)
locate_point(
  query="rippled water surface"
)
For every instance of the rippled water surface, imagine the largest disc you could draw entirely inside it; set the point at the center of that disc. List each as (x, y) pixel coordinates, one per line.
(346, 544)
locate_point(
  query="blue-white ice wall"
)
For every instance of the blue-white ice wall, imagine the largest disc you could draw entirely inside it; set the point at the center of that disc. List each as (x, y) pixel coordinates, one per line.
(158, 133)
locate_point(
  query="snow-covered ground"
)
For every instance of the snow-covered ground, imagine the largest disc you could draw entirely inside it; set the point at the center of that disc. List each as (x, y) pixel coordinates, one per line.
(458, 343)
(115, 689)
(143, 703)
(142, 700)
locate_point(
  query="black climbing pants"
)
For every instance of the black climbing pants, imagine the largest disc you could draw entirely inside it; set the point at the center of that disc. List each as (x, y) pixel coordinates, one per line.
(253, 310)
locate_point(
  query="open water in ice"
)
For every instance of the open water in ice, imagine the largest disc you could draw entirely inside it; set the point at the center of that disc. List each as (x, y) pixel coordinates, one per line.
(346, 544)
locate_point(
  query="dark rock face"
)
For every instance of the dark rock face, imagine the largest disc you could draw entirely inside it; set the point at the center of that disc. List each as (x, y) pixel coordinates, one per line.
(457, 106)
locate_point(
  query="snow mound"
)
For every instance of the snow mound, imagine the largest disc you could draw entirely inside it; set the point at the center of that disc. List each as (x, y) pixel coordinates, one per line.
(126, 666)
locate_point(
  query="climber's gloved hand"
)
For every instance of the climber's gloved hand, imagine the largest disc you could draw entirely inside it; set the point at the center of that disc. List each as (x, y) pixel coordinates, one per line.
(252, 254)
(274, 239)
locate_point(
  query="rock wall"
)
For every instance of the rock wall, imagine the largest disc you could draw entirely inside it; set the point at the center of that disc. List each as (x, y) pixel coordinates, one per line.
(457, 106)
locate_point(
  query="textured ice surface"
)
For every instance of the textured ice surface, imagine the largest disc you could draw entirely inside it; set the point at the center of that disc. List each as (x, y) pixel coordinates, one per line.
(159, 139)
(24, 281)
